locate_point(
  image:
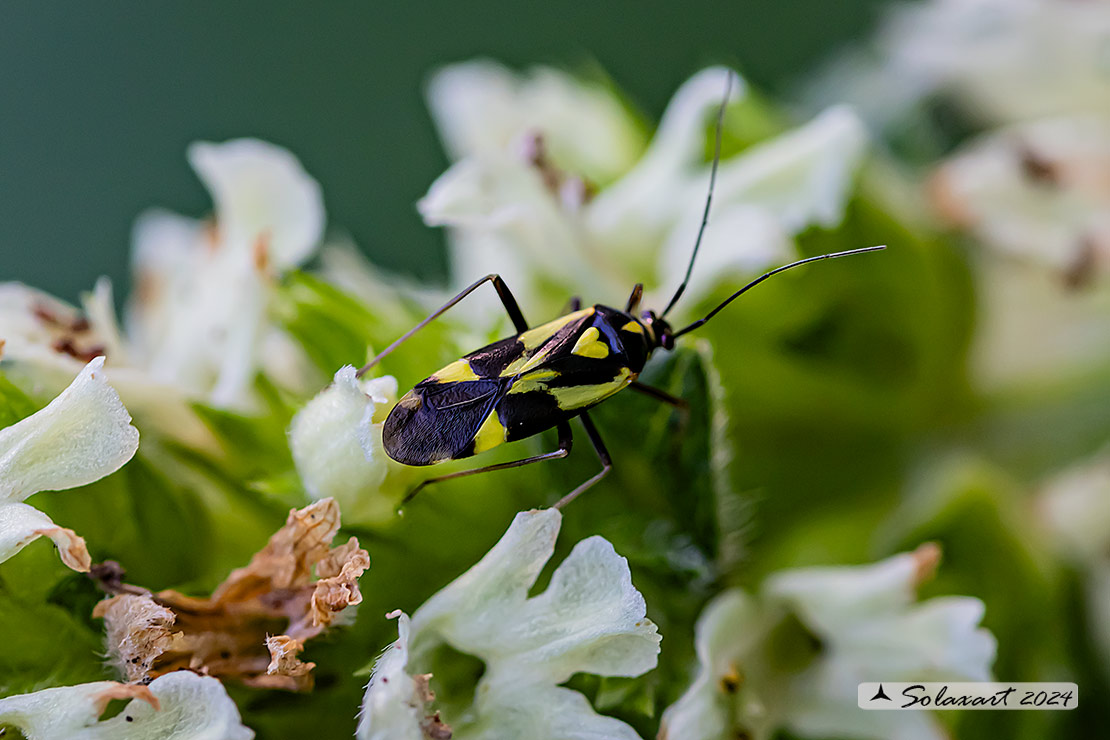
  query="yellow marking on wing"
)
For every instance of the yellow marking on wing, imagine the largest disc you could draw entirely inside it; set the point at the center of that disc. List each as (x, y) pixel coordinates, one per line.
(590, 345)
(633, 326)
(456, 372)
(533, 381)
(490, 434)
(515, 367)
(535, 337)
(580, 396)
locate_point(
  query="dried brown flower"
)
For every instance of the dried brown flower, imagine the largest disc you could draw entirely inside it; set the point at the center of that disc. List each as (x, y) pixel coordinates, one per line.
(256, 622)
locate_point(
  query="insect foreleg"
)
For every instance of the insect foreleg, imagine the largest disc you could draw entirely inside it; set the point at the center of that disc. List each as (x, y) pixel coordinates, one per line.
(566, 438)
(503, 293)
(602, 454)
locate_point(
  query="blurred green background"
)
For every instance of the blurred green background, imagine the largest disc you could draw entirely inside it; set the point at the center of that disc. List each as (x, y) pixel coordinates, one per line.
(100, 100)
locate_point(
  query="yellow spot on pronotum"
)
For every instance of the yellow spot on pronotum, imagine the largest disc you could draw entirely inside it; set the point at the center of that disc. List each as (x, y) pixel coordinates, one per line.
(633, 326)
(456, 372)
(590, 345)
(490, 434)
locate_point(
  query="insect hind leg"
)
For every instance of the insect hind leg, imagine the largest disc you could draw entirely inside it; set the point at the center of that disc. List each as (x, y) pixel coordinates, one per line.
(602, 454)
(503, 292)
(566, 439)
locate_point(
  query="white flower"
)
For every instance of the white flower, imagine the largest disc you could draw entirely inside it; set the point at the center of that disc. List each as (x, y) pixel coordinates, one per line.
(590, 619)
(1038, 191)
(1075, 508)
(197, 324)
(198, 318)
(336, 441)
(791, 657)
(1003, 60)
(177, 706)
(81, 436)
(481, 107)
(534, 219)
(1038, 194)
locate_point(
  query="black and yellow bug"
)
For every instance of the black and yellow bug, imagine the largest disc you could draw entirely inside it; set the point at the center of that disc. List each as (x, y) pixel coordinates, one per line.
(541, 377)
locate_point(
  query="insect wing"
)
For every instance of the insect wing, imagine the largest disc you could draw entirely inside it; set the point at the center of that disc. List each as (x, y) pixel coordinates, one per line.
(444, 421)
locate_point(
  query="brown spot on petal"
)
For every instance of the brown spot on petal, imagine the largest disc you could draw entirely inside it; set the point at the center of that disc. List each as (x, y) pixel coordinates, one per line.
(210, 233)
(262, 253)
(69, 331)
(256, 621)
(1081, 272)
(926, 558)
(732, 680)
(1037, 167)
(124, 691)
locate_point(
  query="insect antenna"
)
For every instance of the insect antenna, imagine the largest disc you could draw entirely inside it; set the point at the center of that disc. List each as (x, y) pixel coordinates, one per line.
(761, 278)
(708, 198)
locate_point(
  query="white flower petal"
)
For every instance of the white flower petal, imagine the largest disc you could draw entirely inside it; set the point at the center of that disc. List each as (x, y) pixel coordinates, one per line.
(471, 610)
(21, 524)
(832, 598)
(473, 107)
(502, 216)
(393, 706)
(640, 207)
(192, 707)
(81, 436)
(100, 309)
(764, 197)
(1075, 506)
(591, 619)
(803, 176)
(480, 107)
(263, 197)
(542, 713)
(165, 254)
(336, 444)
(1002, 60)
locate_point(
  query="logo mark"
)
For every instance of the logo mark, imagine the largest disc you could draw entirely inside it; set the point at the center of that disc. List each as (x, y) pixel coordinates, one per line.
(880, 694)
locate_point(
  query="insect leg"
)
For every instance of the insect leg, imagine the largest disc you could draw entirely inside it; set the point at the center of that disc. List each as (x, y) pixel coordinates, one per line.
(573, 304)
(659, 395)
(602, 454)
(565, 440)
(503, 293)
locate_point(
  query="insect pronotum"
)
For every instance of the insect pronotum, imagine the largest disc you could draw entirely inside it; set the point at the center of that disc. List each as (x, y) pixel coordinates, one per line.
(542, 377)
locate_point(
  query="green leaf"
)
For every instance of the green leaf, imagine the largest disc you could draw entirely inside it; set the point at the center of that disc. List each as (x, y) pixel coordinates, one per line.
(14, 403)
(44, 644)
(156, 529)
(337, 329)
